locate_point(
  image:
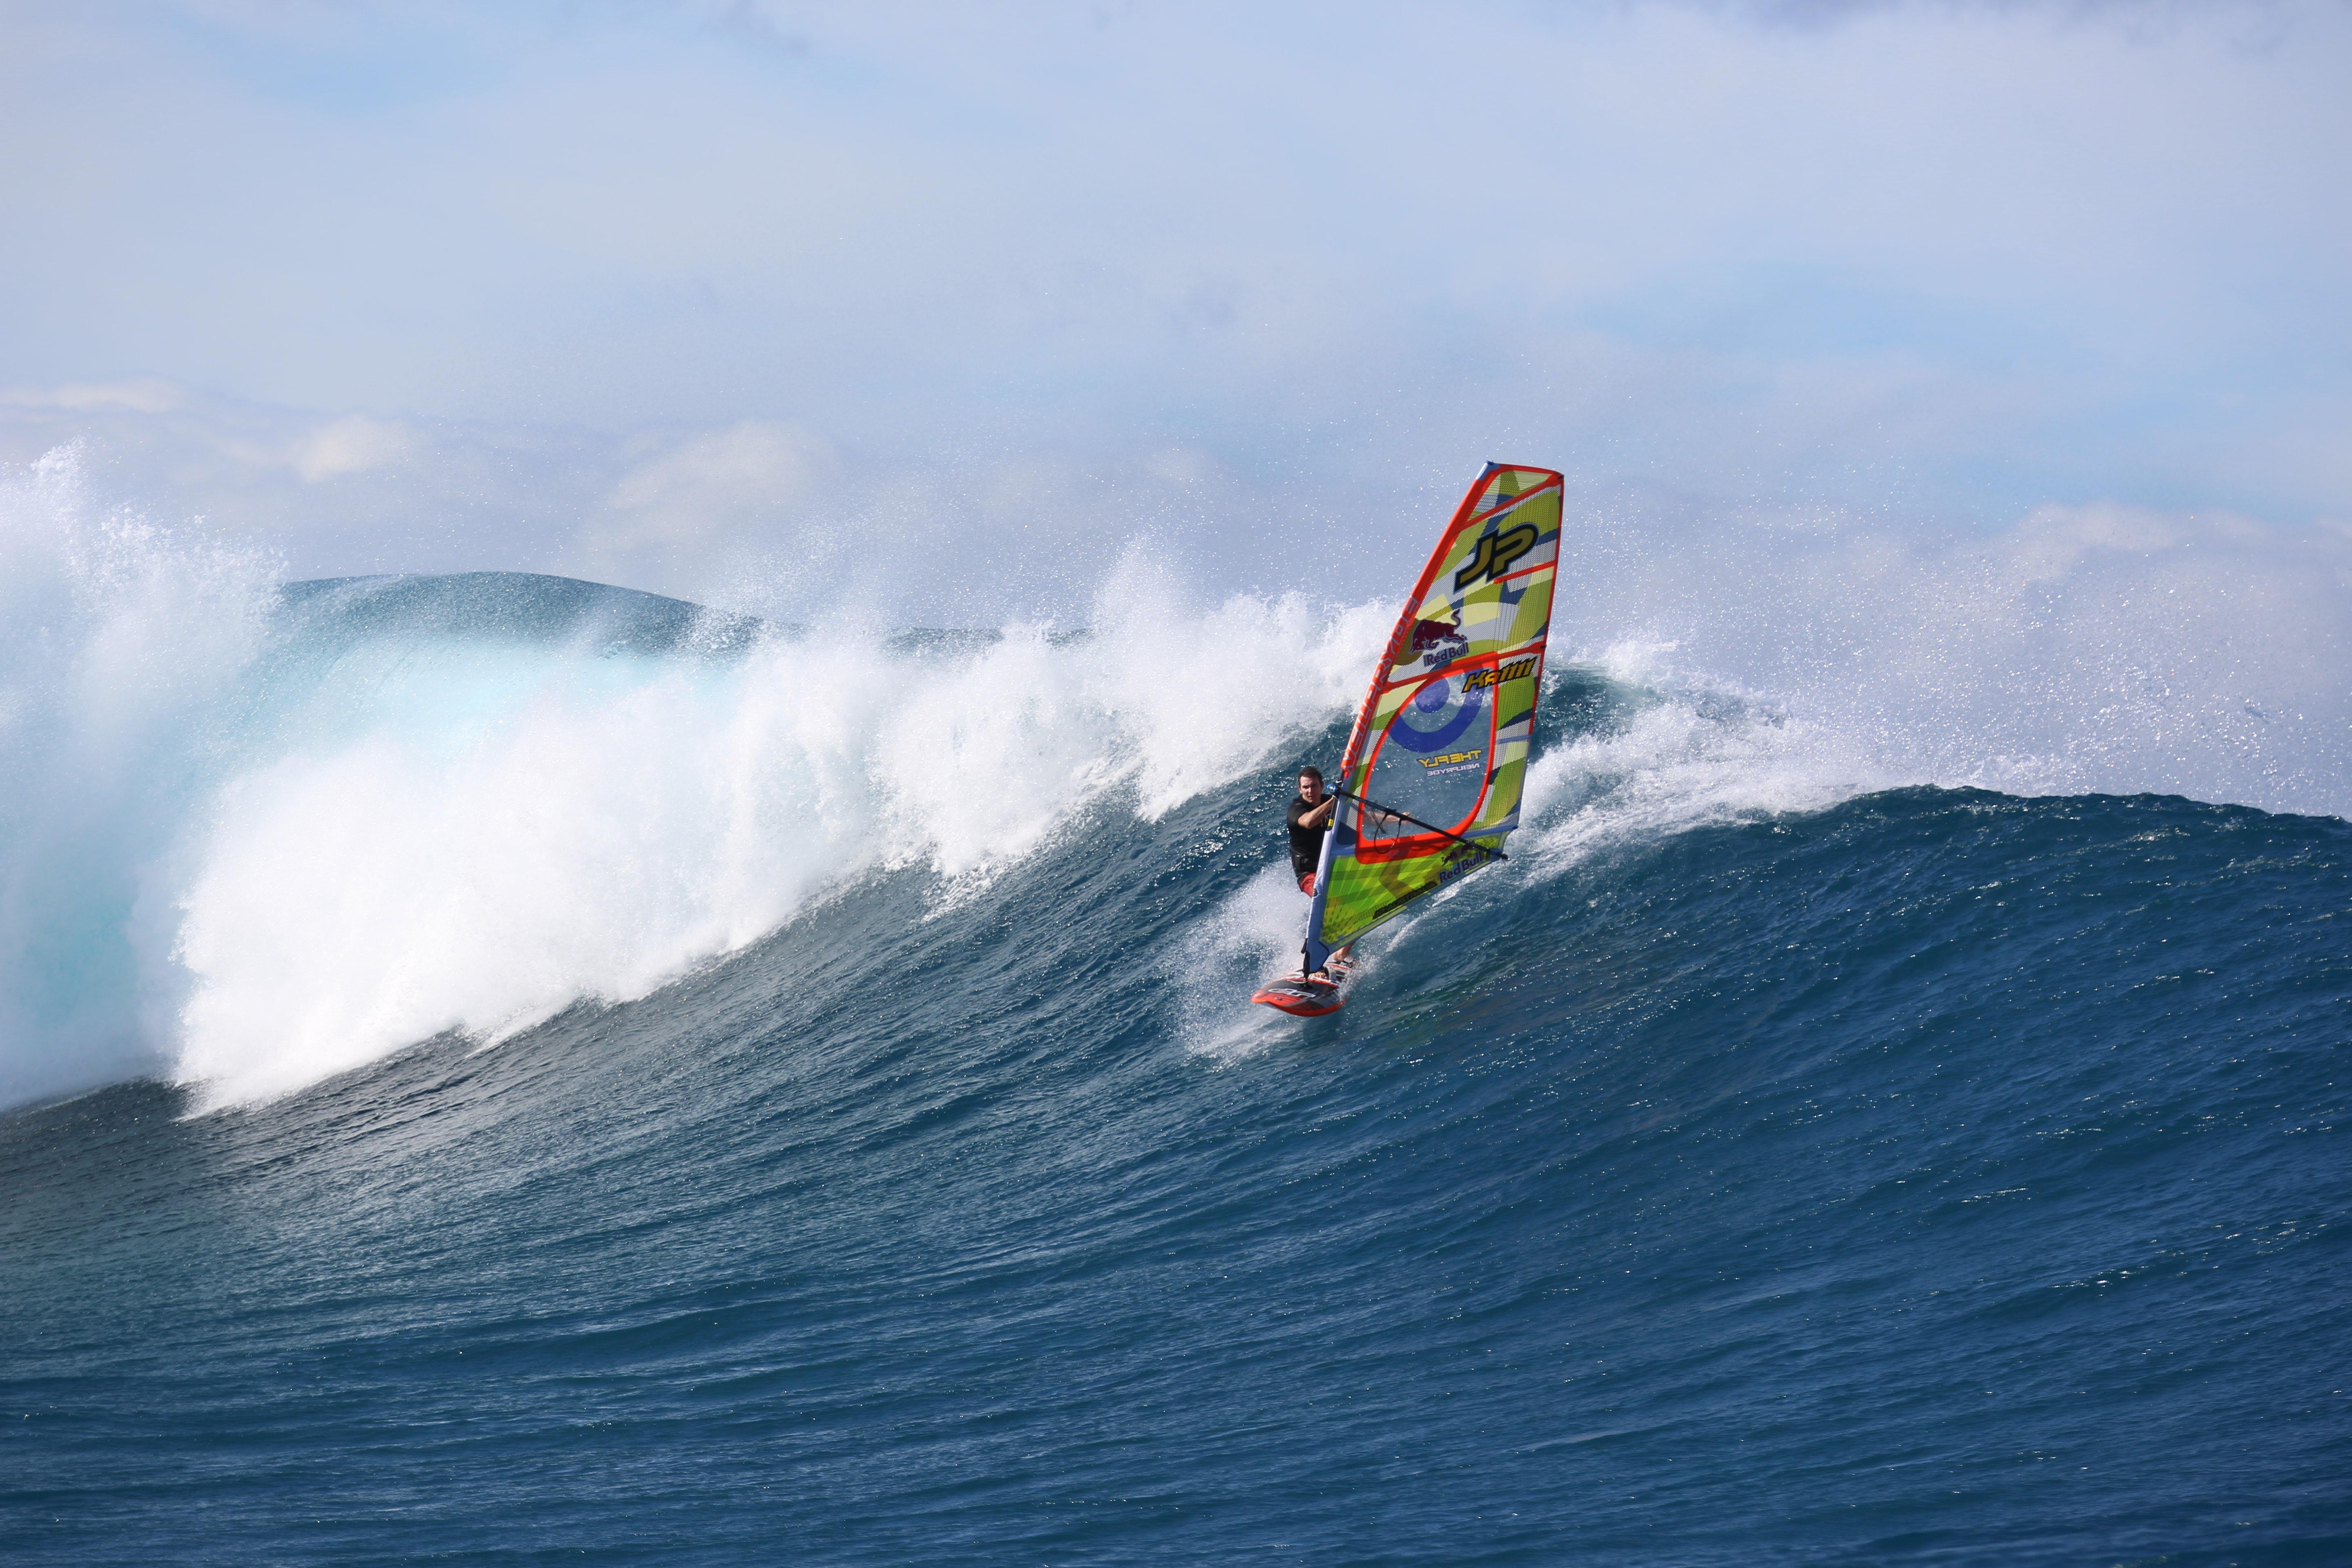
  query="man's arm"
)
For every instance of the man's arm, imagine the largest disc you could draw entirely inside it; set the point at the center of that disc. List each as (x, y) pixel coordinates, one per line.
(1316, 818)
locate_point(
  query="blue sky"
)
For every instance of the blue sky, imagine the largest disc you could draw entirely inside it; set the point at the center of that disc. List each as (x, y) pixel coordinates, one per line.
(678, 295)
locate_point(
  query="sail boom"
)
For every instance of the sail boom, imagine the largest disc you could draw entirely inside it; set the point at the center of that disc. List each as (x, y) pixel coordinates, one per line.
(1417, 822)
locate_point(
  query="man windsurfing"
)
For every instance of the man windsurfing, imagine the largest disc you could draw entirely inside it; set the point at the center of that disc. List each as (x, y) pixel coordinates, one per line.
(1310, 819)
(1444, 736)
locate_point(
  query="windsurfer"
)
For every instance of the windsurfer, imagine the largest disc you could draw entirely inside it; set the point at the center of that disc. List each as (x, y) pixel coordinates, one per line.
(1446, 730)
(1310, 819)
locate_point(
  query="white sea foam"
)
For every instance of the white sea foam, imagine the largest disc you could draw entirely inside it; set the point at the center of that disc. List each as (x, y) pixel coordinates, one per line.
(1252, 936)
(431, 834)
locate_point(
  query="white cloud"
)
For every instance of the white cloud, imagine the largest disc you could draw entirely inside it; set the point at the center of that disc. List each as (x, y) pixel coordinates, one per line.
(704, 496)
(148, 395)
(352, 444)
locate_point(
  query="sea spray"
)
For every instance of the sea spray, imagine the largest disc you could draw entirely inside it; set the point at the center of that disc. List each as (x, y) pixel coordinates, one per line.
(428, 832)
(123, 645)
(2097, 646)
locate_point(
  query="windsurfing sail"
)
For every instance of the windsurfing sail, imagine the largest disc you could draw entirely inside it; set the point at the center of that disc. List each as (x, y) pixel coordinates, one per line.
(1438, 758)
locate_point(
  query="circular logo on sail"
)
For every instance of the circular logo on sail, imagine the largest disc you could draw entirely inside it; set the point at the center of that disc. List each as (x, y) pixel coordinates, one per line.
(1440, 713)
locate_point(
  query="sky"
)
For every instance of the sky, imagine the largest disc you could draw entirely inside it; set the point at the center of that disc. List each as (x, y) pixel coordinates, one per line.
(724, 299)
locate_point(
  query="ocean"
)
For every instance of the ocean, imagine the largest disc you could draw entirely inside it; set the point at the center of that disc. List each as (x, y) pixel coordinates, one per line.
(508, 1070)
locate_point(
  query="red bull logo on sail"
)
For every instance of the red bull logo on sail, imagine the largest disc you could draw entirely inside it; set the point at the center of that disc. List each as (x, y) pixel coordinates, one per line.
(1437, 643)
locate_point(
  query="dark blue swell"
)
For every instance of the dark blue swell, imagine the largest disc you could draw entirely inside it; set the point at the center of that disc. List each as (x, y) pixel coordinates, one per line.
(1941, 1178)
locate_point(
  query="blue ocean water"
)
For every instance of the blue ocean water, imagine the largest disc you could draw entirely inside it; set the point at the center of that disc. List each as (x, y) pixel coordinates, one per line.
(1923, 1175)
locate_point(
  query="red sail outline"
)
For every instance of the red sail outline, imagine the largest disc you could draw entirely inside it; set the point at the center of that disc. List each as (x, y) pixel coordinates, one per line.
(1399, 639)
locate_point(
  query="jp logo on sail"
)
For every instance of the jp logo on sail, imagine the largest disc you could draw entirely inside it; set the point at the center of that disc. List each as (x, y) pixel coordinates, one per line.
(1495, 553)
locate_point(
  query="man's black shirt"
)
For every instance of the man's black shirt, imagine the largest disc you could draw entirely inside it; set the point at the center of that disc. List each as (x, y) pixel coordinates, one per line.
(1306, 843)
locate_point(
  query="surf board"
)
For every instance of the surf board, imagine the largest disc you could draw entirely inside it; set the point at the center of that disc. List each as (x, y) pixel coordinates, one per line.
(1300, 997)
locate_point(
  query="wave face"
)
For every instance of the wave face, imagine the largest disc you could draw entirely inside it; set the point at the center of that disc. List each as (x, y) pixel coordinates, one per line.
(842, 1143)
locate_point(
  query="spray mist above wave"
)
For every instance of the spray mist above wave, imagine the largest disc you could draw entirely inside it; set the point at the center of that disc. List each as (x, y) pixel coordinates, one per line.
(2087, 648)
(122, 648)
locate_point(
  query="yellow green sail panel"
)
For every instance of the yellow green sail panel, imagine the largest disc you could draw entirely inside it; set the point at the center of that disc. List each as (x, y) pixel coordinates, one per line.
(1438, 758)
